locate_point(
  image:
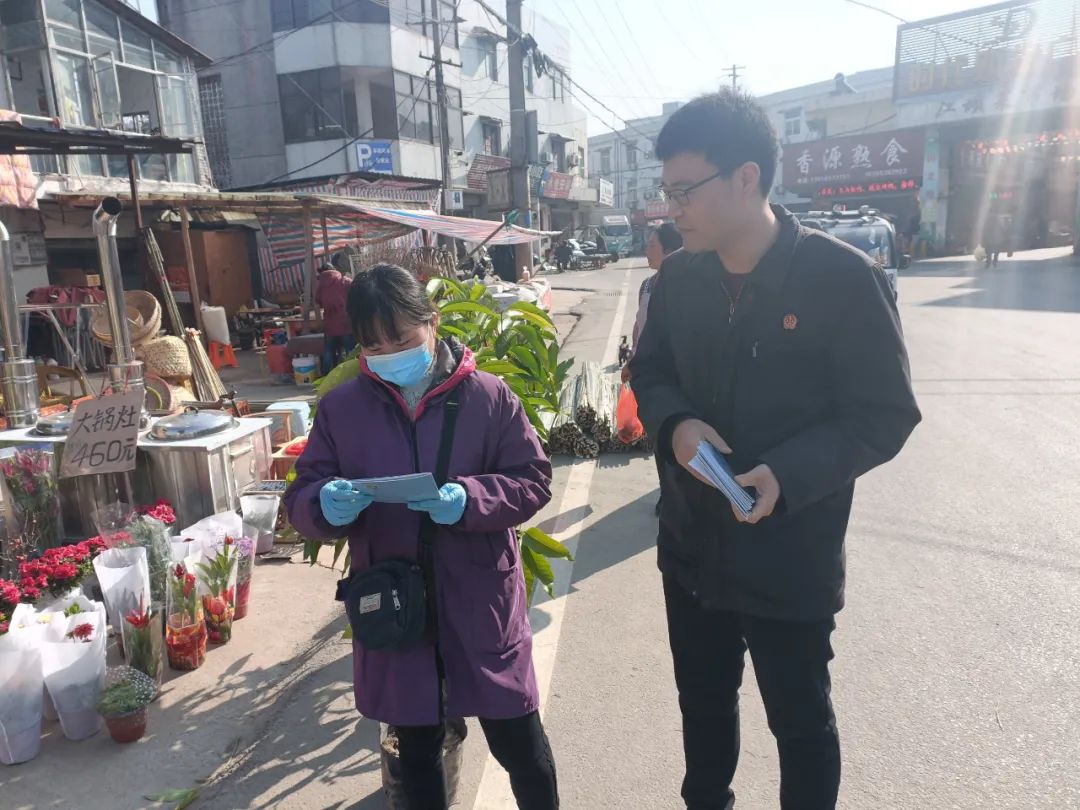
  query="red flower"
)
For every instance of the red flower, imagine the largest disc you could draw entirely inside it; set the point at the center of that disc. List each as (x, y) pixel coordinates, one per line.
(227, 594)
(9, 593)
(81, 632)
(178, 572)
(30, 593)
(229, 541)
(216, 607)
(64, 571)
(3, 628)
(189, 583)
(138, 619)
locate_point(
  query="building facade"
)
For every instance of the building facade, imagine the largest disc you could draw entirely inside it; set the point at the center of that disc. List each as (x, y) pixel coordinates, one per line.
(625, 159)
(321, 87)
(93, 65)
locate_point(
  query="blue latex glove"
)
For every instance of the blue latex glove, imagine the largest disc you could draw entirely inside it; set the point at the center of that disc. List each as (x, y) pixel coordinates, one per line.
(341, 504)
(448, 508)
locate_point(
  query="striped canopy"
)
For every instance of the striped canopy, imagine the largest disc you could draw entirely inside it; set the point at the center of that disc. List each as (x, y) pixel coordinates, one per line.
(464, 228)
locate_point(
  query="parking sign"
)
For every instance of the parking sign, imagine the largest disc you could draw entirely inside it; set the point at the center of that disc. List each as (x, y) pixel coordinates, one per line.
(375, 156)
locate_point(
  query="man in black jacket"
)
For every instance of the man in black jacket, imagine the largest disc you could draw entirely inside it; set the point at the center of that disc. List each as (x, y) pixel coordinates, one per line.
(782, 347)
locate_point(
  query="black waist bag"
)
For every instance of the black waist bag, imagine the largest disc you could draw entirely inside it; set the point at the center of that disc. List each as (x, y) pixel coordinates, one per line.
(391, 605)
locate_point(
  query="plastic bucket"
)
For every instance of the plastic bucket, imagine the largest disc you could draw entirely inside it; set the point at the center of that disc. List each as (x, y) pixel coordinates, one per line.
(305, 369)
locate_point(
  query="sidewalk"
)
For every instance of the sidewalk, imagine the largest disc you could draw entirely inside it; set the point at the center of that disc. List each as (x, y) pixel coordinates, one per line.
(203, 718)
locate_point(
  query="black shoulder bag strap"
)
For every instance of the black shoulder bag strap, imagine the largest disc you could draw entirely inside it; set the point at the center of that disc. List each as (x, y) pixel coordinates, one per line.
(426, 553)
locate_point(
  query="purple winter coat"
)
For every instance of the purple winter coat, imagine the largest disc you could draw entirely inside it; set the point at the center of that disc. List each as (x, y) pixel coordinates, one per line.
(363, 429)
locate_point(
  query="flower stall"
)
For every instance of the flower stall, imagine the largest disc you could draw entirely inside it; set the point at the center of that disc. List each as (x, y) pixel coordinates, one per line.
(138, 592)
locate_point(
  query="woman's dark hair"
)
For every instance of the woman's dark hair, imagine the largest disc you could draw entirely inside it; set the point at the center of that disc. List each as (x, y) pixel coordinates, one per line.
(383, 296)
(669, 236)
(729, 128)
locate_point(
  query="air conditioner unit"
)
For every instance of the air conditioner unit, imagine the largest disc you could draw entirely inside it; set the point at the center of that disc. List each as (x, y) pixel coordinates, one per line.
(573, 160)
(453, 199)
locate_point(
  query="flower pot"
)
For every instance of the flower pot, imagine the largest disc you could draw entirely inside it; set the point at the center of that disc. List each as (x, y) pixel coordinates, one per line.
(126, 728)
(20, 744)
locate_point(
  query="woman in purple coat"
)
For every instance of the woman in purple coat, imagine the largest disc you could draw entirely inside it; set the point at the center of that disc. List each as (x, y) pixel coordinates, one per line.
(388, 421)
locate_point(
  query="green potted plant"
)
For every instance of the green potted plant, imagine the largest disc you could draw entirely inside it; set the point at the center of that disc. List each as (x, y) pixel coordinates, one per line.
(123, 703)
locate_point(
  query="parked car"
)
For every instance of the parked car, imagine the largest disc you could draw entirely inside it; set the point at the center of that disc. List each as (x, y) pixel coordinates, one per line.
(866, 230)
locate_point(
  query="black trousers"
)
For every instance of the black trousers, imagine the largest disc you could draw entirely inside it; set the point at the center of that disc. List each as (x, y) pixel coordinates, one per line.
(791, 661)
(519, 745)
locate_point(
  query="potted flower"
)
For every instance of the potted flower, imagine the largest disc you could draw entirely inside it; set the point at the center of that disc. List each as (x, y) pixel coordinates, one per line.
(123, 703)
(218, 577)
(29, 478)
(9, 598)
(185, 629)
(142, 641)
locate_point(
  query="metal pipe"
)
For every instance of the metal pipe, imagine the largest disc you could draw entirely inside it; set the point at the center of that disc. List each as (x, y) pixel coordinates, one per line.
(104, 225)
(125, 372)
(9, 302)
(18, 375)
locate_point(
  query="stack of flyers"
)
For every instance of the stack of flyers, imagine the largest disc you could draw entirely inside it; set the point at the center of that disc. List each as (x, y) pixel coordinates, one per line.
(713, 467)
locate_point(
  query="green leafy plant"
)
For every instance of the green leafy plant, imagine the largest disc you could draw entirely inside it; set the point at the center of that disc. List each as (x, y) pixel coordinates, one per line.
(517, 345)
(128, 690)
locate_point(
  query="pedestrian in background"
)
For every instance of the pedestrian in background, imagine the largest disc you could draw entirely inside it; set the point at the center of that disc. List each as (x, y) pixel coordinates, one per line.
(331, 294)
(476, 658)
(781, 347)
(662, 242)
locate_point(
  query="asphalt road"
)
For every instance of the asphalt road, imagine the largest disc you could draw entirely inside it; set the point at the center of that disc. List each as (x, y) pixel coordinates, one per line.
(956, 681)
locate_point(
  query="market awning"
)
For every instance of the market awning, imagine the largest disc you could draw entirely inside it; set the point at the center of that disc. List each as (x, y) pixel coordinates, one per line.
(466, 228)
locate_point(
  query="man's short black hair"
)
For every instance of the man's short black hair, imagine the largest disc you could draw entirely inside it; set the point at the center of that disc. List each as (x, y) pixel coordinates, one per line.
(669, 237)
(729, 128)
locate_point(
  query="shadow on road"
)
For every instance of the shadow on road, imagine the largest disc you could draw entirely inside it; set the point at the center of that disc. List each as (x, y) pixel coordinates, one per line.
(625, 533)
(1040, 283)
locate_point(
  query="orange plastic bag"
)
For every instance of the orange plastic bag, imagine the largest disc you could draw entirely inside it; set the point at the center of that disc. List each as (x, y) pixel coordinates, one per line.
(627, 424)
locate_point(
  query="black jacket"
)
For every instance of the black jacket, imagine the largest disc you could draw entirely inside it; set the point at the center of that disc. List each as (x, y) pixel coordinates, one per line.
(810, 377)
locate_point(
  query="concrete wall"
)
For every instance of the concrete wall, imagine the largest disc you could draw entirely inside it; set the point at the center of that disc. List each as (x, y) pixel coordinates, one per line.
(253, 114)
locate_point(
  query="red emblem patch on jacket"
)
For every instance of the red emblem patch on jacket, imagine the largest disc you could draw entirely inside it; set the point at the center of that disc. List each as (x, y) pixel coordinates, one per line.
(790, 322)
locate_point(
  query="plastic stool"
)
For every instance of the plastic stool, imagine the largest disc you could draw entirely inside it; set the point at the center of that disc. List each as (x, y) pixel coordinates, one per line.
(222, 355)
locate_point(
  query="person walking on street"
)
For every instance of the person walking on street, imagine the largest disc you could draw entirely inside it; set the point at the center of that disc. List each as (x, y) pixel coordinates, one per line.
(781, 347)
(420, 404)
(994, 236)
(331, 293)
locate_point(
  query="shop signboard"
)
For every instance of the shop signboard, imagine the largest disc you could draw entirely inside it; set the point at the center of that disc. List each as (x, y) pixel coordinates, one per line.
(606, 192)
(498, 188)
(988, 47)
(103, 435)
(28, 249)
(853, 160)
(656, 209)
(556, 185)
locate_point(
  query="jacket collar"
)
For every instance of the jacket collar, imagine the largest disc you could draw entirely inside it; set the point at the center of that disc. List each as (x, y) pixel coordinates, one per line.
(772, 270)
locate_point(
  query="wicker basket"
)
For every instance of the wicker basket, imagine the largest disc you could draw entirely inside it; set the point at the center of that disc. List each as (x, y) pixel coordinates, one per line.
(166, 356)
(150, 309)
(100, 329)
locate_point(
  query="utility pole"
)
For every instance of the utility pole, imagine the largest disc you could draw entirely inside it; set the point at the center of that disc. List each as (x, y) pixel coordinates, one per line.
(519, 165)
(733, 72)
(440, 97)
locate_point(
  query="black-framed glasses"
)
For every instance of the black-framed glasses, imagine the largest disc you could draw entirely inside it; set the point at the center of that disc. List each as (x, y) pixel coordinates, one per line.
(681, 196)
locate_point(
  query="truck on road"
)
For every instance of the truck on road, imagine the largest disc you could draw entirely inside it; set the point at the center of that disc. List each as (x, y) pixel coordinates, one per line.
(614, 225)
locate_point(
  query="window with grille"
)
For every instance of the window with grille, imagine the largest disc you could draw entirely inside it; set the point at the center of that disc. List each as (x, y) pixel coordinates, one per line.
(212, 103)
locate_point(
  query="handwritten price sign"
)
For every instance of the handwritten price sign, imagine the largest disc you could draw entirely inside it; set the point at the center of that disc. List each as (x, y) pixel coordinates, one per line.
(103, 436)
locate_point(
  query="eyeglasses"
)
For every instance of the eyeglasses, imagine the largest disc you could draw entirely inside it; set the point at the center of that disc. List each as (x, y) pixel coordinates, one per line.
(681, 196)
